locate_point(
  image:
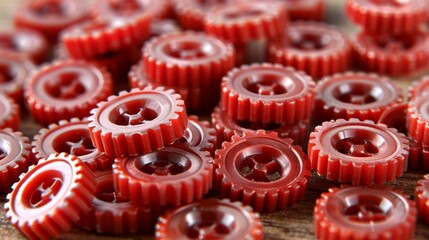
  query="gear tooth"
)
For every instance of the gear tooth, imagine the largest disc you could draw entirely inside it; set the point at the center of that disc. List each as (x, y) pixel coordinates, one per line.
(400, 19)
(325, 221)
(188, 186)
(417, 124)
(418, 88)
(9, 116)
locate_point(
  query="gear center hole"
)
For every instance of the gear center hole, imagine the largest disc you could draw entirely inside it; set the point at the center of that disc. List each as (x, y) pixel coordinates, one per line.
(358, 142)
(208, 224)
(267, 84)
(76, 142)
(189, 50)
(358, 93)
(309, 41)
(367, 208)
(163, 163)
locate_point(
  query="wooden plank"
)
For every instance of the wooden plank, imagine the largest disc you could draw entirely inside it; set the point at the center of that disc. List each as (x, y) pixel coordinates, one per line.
(294, 223)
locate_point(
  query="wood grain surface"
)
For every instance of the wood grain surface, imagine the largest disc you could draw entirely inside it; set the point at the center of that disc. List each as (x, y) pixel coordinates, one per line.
(294, 223)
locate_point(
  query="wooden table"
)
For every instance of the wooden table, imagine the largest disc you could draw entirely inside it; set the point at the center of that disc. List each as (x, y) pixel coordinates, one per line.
(294, 223)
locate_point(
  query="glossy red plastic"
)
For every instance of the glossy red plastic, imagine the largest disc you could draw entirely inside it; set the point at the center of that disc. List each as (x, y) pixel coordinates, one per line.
(15, 150)
(309, 10)
(71, 137)
(358, 152)
(267, 93)
(9, 113)
(49, 17)
(422, 198)
(199, 134)
(172, 176)
(66, 89)
(315, 48)
(244, 21)
(226, 127)
(418, 120)
(419, 88)
(355, 95)
(15, 68)
(50, 197)
(395, 117)
(261, 170)
(110, 213)
(131, 11)
(27, 42)
(139, 121)
(160, 27)
(210, 219)
(392, 16)
(364, 213)
(389, 54)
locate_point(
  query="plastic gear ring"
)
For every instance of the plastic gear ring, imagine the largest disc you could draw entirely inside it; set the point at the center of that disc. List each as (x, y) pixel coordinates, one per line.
(191, 13)
(355, 95)
(206, 220)
(9, 113)
(315, 48)
(419, 88)
(184, 59)
(139, 121)
(199, 134)
(267, 93)
(96, 37)
(27, 42)
(173, 176)
(364, 213)
(244, 21)
(66, 89)
(392, 17)
(309, 10)
(391, 55)
(111, 214)
(358, 152)
(49, 17)
(15, 157)
(15, 68)
(395, 117)
(226, 127)
(160, 27)
(136, 12)
(193, 97)
(418, 120)
(419, 156)
(261, 170)
(70, 137)
(50, 197)
(422, 198)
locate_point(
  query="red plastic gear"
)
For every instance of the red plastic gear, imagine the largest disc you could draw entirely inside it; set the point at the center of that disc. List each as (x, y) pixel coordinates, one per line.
(15, 68)
(267, 93)
(315, 48)
(419, 156)
(70, 137)
(244, 21)
(391, 55)
(392, 17)
(50, 197)
(191, 13)
(194, 98)
(364, 213)
(187, 60)
(27, 42)
(206, 220)
(226, 127)
(96, 37)
(355, 95)
(139, 121)
(199, 134)
(261, 170)
(175, 175)
(313, 10)
(358, 152)
(65, 89)
(418, 120)
(422, 198)
(395, 117)
(15, 150)
(49, 17)
(111, 214)
(419, 88)
(9, 113)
